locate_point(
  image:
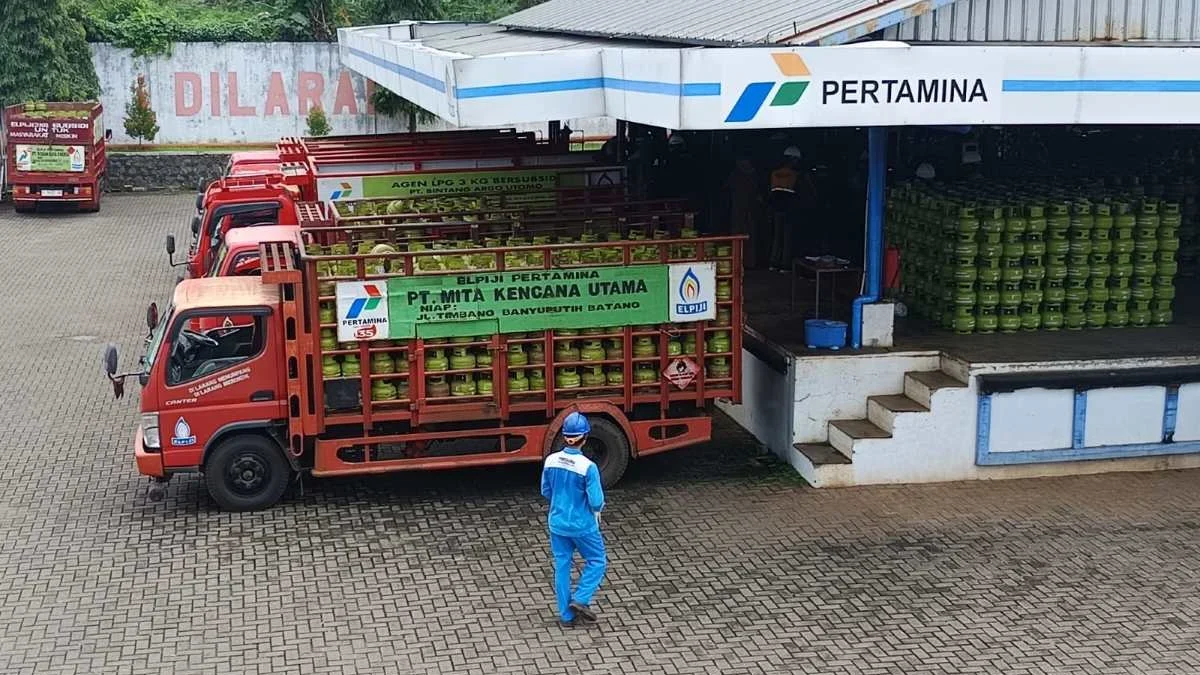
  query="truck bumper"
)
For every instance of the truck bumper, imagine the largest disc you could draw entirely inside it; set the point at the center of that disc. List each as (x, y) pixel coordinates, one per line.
(148, 463)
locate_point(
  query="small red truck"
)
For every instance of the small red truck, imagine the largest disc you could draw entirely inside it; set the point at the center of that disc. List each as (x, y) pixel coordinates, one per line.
(377, 350)
(55, 154)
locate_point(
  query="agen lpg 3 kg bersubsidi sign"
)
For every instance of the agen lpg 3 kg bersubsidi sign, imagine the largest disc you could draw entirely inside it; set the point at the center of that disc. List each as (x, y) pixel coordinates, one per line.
(482, 303)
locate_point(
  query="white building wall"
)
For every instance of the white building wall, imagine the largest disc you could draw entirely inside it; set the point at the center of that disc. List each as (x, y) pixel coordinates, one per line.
(243, 92)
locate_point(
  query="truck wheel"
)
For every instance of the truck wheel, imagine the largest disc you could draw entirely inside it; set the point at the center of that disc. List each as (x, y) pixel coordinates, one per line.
(608, 447)
(246, 473)
(21, 207)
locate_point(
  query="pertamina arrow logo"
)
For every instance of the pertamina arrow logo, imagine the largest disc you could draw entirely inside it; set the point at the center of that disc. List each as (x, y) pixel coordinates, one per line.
(365, 304)
(788, 94)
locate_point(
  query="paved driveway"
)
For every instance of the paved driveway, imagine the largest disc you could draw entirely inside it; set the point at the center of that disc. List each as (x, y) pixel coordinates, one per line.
(720, 562)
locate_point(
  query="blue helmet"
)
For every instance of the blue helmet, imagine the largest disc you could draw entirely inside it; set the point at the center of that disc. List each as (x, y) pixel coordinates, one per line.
(576, 425)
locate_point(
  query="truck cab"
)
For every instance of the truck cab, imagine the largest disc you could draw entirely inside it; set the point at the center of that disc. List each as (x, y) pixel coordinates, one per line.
(213, 399)
(231, 204)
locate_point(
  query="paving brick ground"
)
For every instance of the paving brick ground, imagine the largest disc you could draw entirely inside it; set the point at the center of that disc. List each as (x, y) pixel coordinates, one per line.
(720, 563)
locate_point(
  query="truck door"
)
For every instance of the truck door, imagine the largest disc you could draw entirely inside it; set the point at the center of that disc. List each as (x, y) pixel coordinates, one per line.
(216, 377)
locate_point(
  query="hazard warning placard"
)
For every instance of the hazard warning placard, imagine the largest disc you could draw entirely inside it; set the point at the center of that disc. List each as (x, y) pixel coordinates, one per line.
(681, 371)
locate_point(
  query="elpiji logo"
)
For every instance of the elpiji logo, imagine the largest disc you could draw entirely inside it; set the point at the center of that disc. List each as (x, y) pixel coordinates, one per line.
(689, 295)
(365, 304)
(346, 191)
(755, 94)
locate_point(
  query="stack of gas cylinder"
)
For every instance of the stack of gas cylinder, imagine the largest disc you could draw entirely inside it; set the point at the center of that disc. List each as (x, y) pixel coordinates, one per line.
(974, 262)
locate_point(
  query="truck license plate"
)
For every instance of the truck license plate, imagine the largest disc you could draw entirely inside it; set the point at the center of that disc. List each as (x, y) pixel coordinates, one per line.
(52, 193)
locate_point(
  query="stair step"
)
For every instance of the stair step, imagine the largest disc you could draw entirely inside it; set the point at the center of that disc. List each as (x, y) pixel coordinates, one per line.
(920, 385)
(883, 410)
(843, 434)
(820, 454)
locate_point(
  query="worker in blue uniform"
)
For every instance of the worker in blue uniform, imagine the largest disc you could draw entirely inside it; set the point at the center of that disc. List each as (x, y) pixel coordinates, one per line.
(572, 484)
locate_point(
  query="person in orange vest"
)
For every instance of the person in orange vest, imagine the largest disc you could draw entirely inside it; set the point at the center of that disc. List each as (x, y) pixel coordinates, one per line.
(788, 188)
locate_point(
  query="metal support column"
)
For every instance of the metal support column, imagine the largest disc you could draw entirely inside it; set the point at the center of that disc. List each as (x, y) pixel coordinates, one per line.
(873, 264)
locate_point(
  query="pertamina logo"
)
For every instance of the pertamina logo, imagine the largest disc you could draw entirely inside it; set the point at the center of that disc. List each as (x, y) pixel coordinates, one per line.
(689, 295)
(369, 303)
(852, 90)
(346, 191)
(788, 94)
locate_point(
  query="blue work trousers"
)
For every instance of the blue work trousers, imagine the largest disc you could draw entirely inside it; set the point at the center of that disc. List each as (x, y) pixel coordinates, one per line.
(595, 561)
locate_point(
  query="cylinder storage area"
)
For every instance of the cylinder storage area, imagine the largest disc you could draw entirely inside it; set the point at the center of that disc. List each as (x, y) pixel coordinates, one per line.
(1045, 230)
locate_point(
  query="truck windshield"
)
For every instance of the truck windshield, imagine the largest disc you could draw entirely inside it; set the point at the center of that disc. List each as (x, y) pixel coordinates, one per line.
(156, 339)
(222, 252)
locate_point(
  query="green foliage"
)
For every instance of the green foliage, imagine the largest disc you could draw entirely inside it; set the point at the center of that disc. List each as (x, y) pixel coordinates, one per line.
(140, 121)
(318, 125)
(389, 104)
(44, 54)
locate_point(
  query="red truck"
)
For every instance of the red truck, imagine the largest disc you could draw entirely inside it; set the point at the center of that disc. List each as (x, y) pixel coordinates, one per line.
(272, 199)
(56, 154)
(355, 357)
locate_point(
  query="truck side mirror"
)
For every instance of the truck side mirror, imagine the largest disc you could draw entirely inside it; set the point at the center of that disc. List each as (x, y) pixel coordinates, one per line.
(110, 360)
(196, 226)
(170, 244)
(108, 134)
(152, 315)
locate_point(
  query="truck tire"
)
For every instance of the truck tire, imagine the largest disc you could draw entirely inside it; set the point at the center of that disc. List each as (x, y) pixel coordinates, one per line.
(22, 207)
(607, 446)
(246, 473)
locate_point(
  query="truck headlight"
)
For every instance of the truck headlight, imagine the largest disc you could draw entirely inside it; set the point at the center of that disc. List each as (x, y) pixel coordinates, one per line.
(150, 436)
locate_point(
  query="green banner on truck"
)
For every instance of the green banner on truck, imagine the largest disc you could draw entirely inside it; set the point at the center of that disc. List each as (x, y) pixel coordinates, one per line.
(457, 182)
(57, 158)
(518, 302)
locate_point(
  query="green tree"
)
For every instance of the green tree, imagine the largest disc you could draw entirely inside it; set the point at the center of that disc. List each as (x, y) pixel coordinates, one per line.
(44, 53)
(140, 121)
(390, 104)
(318, 125)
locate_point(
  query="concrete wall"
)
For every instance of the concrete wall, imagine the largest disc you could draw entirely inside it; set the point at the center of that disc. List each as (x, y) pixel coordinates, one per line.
(248, 92)
(163, 170)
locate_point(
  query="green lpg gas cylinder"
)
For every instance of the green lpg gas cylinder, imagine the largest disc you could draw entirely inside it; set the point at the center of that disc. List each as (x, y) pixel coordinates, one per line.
(644, 346)
(1031, 317)
(461, 358)
(1031, 292)
(988, 296)
(1035, 220)
(351, 366)
(537, 354)
(986, 320)
(1010, 294)
(327, 314)
(615, 375)
(1164, 288)
(1058, 221)
(645, 373)
(1168, 268)
(463, 385)
(968, 224)
(593, 376)
(592, 350)
(965, 253)
(1052, 316)
(1146, 221)
(1098, 293)
(1055, 291)
(1010, 320)
(964, 319)
(517, 355)
(328, 339)
(719, 343)
(991, 224)
(383, 390)
(382, 364)
(566, 351)
(484, 385)
(1097, 315)
(990, 252)
(330, 367)
(1057, 251)
(537, 379)
(1118, 314)
(1160, 313)
(436, 360)
(674, 346)
(1074, 320)
(567, 378)
(517, 381)
(1056, 272)
(718, 367)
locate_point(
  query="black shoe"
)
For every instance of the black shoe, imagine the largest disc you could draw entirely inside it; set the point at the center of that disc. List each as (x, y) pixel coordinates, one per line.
(566, 624)
(583, 612)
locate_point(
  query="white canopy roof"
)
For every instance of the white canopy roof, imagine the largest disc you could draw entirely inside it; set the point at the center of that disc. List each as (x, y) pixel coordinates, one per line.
(487, 75)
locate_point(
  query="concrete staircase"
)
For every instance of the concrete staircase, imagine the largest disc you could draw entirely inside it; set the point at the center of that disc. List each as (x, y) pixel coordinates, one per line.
(886, 414)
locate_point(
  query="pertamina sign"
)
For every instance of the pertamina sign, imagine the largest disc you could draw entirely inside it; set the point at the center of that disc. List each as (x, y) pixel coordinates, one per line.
(815, 90)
